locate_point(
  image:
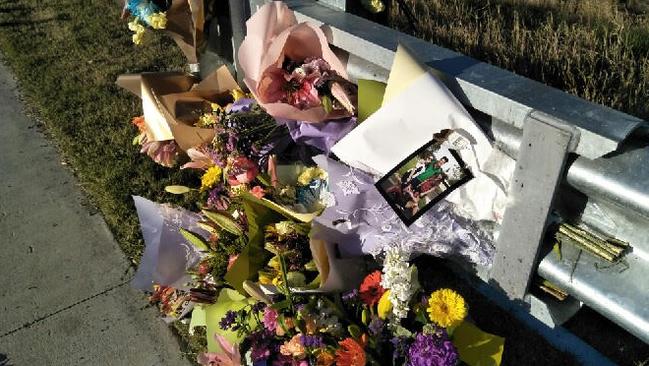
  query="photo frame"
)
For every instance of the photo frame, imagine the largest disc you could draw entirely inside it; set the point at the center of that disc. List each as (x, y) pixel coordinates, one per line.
(424, 178)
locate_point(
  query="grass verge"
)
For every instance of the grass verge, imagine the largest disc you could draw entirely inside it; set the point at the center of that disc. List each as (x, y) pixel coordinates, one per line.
(66, 55)
(595, 49)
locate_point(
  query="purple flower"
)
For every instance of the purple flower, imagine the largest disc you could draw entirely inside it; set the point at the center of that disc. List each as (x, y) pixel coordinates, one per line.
(261, 345)
(432, 350)
(229, 319)
(270, 319)
(259, 306)
(218, 198)
(312, 341)
(376, 326)
(231, 144)
(400, 345)
(350, 296)
(241, 105)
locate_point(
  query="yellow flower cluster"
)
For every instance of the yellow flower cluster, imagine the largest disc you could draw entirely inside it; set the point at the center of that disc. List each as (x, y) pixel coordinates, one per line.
(138, 31)
(374, 6)
(211, 177)
(310, 174)
(446, 308)
(206, 120)
(239, 94)
(157, 20)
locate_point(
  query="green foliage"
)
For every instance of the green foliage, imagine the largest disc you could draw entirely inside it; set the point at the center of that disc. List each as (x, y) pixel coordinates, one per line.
(224, 221)
(195, 240)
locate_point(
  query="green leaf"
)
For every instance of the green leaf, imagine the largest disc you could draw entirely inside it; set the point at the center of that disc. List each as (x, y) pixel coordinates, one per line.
(326, 103)
(295, 279)
(281, 305)
(365, 316)
(177, 189)
(355, 331)
(264, 179)
(195, 240)
(253, 257)
(228, 300)
(224, 220)
(315, 283)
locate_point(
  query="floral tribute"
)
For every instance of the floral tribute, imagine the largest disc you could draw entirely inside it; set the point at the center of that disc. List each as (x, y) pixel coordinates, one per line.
(145, 14)
(271, 264)
(345, 329)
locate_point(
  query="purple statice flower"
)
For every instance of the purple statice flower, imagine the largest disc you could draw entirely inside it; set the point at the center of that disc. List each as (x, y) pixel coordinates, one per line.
(432, 350)
(310, 341)
(400, 345)
(229, 319)
(231, 144)
(270, 319)
(259, 306)
(241, 105)
(376, 326)
(262, 345)
(218, 198)
(350, 296)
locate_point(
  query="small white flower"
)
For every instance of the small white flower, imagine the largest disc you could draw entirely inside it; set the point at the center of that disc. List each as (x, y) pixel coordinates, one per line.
(398, 277)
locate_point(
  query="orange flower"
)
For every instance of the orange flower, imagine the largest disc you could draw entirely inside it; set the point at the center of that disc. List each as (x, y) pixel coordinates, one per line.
(139, 123)
(350, 353)
(324, 358)
(293, 347)
(371, 289)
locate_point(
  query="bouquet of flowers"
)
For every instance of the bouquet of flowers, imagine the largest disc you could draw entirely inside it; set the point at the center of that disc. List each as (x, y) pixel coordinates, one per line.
(178, 110)
(291, 70)
(359, 327)
(182, 19)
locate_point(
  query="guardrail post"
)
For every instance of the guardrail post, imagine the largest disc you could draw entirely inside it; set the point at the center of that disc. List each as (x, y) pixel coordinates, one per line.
(539, 170)
(239, 13)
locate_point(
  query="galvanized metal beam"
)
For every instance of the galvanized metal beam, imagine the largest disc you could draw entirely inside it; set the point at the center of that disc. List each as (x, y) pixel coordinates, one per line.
(494, 91)
(239, 13)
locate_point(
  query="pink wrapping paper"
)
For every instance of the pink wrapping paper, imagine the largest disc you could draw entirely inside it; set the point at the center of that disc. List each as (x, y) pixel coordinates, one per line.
(273, 34)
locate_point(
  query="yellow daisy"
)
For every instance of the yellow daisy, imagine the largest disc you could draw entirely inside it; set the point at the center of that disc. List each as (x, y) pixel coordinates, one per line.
(211, 177)
(446, 308)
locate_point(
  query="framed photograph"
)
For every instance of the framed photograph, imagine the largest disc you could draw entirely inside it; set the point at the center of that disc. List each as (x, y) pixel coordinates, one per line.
(423, 179)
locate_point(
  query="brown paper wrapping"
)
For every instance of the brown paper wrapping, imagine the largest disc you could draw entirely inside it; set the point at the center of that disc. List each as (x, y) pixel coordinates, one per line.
(166, 98)
(185, 21)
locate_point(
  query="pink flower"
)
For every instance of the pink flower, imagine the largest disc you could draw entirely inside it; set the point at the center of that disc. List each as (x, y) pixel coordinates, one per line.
(231, 260)
(272, 86)
(199, 159)
(257, 191)
(229, 357)
(270, 319)
(305, 97)
(162, 152)
(242, 171)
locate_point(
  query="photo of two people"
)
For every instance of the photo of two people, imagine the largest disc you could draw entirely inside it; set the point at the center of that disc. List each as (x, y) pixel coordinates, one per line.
(422, 179)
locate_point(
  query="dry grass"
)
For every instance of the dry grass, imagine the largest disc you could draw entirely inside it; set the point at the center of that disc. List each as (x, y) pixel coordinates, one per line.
(595, 49)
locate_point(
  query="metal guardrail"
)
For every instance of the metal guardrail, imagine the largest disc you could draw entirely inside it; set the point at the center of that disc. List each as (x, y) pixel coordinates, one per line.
(601, 174)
